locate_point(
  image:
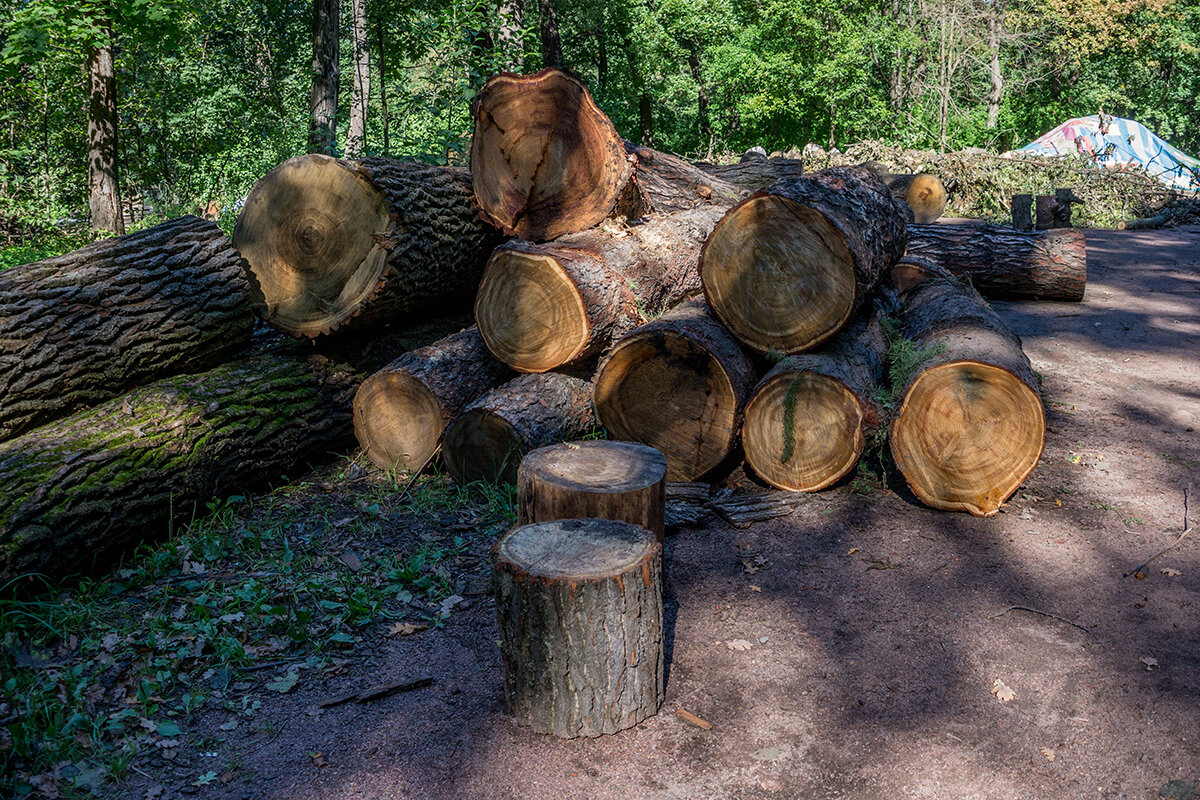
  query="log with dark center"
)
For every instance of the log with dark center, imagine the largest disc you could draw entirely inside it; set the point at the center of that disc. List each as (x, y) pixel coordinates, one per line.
(600, 479)
(678, 384)
(970, 426)
(785, 268)
(486, 441)
(401, 411)
(81, 328)
(580, 613)
(1006, 263)
(546, 161)
(810, 416)
(542, 306)
(337, 244)
(80, 491)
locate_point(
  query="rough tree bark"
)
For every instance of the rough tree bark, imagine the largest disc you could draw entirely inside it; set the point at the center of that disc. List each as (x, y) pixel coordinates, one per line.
(383, 105)
(323, 97)
(81, 328)
(103, 176)
(551, 43)
(337, 243)
(361, 92)
(512, 22)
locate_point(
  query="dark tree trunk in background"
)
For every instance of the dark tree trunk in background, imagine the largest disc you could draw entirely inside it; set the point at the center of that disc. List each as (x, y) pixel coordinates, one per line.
(104, 188)
(323, 99)
(551, 44)
(646, 119)
(512, 44)
(361, 97)
(995, 26)
(702, 117)
(383, 109)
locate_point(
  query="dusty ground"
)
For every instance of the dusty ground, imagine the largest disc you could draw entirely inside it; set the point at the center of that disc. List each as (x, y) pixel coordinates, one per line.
(872, 621)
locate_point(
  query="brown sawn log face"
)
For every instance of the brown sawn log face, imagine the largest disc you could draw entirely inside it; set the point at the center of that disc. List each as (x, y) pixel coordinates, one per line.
(579, 607)
(970, 427)
(1005, 263)
(79, 491)
(924, 193)
(487, 440)
(594, 479)
(335, 244)
(542, 306)
(401, 411)
(809, 417)
(81, 328)
(785, 268)
(678, 384)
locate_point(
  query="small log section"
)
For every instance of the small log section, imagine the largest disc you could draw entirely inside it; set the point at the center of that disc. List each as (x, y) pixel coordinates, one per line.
(542, 306)
(1007, 264)
(970, 427)
(401, 411)
(579, 606)
(1022, 212)
(810, 416)
(546, 161)
(924, 193)
(487, 440)
(786, 268)
(81, 328)
(80, 491)
(337, 244)
(606, 480)
(678, 384)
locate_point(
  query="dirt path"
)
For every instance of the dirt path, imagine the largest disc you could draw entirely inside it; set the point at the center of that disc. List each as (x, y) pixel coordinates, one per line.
(871, 617)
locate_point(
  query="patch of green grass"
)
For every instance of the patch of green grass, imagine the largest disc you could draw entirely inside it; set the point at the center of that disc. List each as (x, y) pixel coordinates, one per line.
(48, 246)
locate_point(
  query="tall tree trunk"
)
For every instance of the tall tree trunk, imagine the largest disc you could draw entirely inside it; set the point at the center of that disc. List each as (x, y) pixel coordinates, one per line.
(361, 97)
(323, 99)
(995, 25)
(551, 44)
(512, 43)
(104, 187)
(383, 109)
(702, 117)
(645, 119)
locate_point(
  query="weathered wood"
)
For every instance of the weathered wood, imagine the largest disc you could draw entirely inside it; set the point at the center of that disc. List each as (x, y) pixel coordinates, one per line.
(80, 491)
(401, 411)
(601, 479)
(678, 384)
(579, 606)
(1022, 212)
(542, 306)
(338, 244)
(81, 328)
(786, 268)
(811, 415)
(487, 440)
(1003, 263)
(970, 427)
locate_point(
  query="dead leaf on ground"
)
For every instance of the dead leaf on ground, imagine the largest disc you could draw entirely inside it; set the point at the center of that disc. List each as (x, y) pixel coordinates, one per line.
(404, 628)
(754, 588)
(1003, 691)
(1170, 573)
(1150, 661)
(692, 719)
(318, 759)
(450, 602)
(1048, 753)
(766, 754)
(738, 644)
(351, 560)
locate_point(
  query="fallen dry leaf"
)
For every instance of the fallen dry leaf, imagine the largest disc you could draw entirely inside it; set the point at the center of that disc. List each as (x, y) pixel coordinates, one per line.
(738, 644)
(1170, 573)
(754, 588)
(692, 719)
(853, 550)
(1003, 692)
(404, 628)
(351, 560)
(1150, 661)
(1048, 753)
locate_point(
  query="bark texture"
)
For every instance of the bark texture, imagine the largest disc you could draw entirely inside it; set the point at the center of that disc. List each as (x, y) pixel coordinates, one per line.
(323, 96)
(81, 328)
(401, 411)
(487, 440)
(579, 607)
(360, 98)
(81, 491)
(104, 186)
(755, 174)
(1005, 263)
(595, 479)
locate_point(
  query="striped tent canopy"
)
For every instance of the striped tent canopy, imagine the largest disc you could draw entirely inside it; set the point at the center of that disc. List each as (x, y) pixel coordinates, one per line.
(1112, 141)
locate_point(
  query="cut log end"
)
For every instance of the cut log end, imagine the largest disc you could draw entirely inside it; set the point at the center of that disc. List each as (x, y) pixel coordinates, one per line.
(927, 197)
(309, 231)
(530, 312)
(481, 446)
(397, 420)
(967, 435)
(544, 159)
(779, 275)
(576, 549)
(803, 431)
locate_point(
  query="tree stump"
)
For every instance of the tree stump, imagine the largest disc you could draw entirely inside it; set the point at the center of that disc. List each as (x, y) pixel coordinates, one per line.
(1022, 212)
(607, 480)
(1045, 212)
(579, 604)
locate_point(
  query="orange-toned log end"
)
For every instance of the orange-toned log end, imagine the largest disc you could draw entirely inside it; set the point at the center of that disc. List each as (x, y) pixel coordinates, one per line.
(967, 435)
(397, 420)
(545, 160)
(927, 197)
(803, 431)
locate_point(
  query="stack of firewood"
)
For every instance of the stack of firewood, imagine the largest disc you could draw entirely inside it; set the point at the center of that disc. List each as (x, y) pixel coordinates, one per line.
(613, 285)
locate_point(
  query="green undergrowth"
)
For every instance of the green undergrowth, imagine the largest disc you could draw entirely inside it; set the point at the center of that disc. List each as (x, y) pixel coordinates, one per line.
(251, 597)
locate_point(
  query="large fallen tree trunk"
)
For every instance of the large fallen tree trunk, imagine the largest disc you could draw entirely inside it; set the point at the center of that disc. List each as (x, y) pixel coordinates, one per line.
(541, 306)
(786, 268)
(678, 384)
(80, 491)
(487, 440)
(970, 426)
(337, 243)
(81, 328)
(1006, 263)
(401, 411)
(547, 161)
(754, 174)
(811, 415)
